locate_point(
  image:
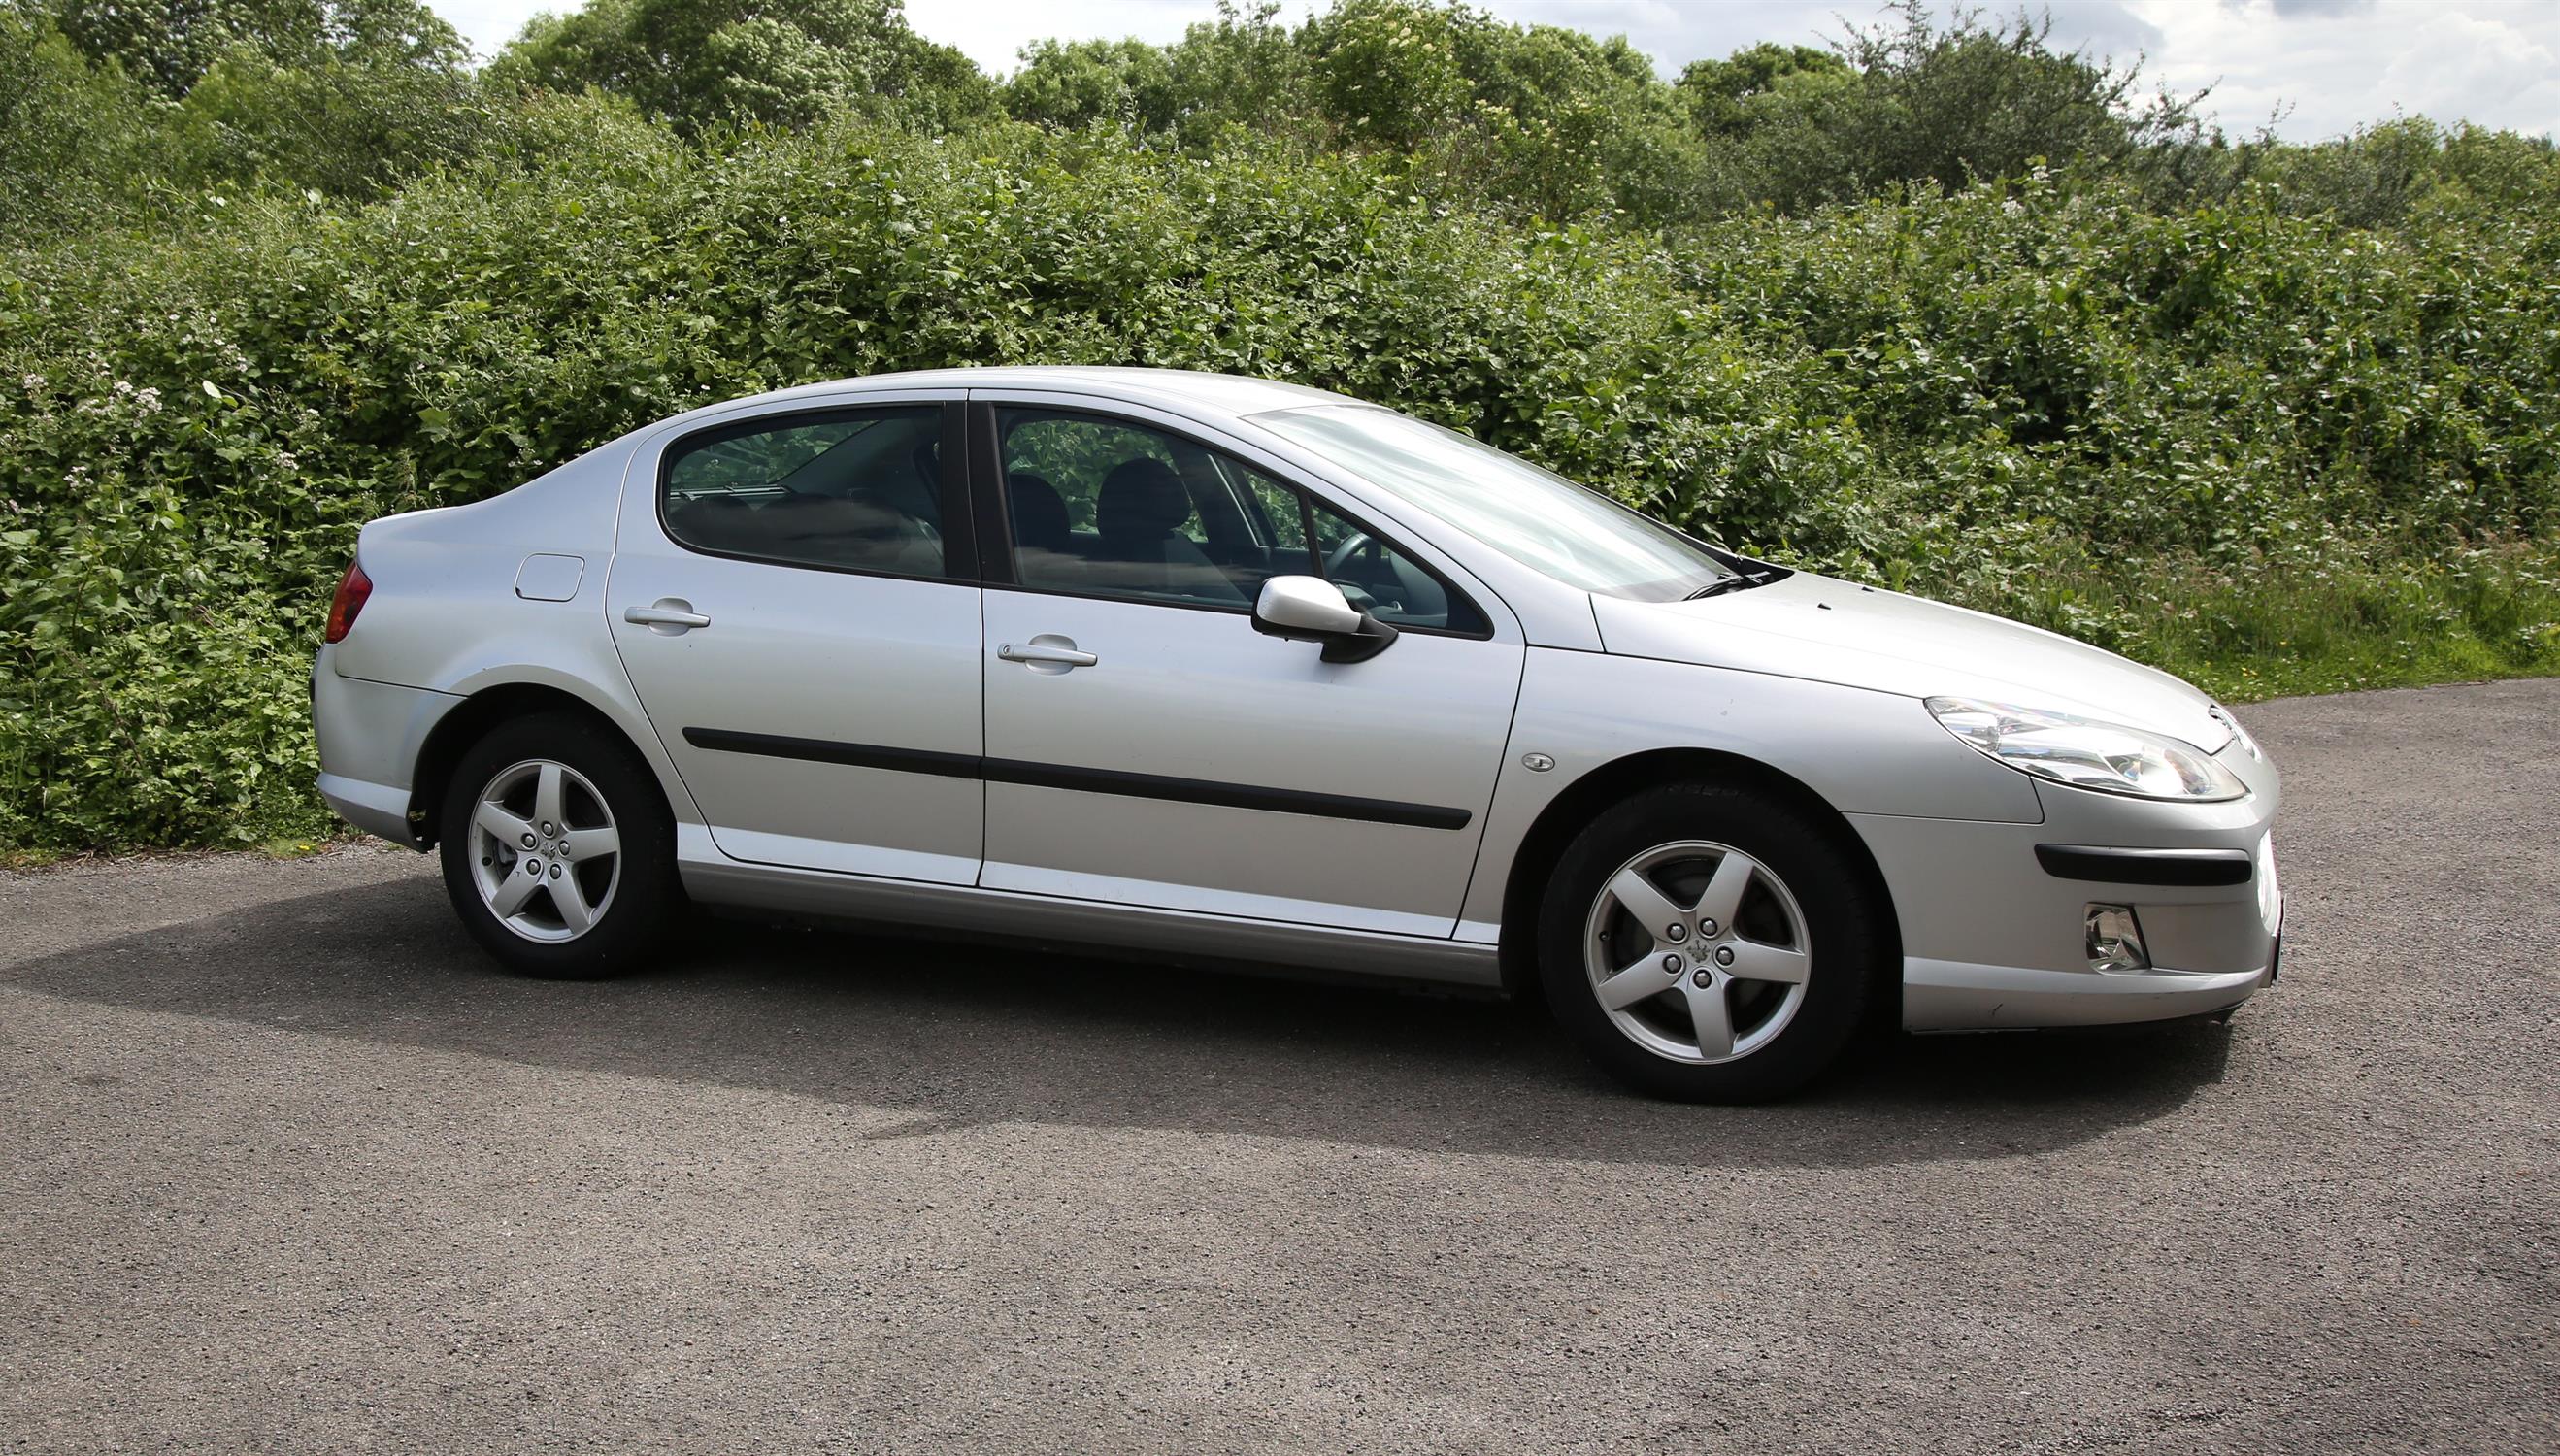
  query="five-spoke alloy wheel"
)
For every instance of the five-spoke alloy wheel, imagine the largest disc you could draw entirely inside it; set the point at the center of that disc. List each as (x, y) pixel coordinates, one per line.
(1697, 952)
(547, 856)
(557, 849)
(1710, 943)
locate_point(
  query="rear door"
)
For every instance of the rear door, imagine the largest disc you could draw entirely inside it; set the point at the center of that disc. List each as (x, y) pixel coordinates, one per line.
(794, 594)
(1145, 746)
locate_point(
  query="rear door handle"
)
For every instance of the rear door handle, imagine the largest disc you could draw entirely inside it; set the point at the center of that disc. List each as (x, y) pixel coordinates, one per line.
(668, 614)
(1048, 650)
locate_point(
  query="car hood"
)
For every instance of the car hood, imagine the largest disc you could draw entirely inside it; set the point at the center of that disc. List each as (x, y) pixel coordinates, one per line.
(1816, 628)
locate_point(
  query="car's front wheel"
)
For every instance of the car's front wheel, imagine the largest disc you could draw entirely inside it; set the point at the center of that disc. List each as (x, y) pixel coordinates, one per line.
(1704, 941)
(557, 848)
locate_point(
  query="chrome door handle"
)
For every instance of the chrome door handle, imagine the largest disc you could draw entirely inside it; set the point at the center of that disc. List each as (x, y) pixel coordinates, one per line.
(1048, 651)
(668, 612)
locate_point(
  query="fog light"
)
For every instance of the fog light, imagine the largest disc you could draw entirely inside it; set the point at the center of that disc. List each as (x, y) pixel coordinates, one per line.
(2116, 940)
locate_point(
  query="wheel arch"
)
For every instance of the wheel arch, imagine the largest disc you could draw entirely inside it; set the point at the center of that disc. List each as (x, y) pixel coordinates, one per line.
(1583, 800)
(473, 719)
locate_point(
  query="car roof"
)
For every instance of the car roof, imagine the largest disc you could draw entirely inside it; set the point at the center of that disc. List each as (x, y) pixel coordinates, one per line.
(1230, 394)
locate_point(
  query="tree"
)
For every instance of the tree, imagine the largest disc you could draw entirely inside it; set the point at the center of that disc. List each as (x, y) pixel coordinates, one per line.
(345, 95)
(1075, 83)
(1725, 97)
(1387, 71)
(1908, 101)
(171, 45)
(779, 61)
(1541, 115)
(347, 127)
(1981, 101)
(1243, 69)
(70, 131)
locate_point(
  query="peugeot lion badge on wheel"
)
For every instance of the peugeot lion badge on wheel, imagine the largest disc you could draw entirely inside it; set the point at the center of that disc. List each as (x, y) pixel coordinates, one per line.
(1216, 668)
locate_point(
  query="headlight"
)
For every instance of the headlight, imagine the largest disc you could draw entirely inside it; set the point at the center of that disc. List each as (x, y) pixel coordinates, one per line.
(2222, 716)
(2086, 753)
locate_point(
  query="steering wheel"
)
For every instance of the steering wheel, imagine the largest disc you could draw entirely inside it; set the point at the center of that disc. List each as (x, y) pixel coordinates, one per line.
(1341, 557)
(1338, 564)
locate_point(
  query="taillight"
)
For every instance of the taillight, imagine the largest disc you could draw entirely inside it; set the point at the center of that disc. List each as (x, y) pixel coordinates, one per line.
(353, 589)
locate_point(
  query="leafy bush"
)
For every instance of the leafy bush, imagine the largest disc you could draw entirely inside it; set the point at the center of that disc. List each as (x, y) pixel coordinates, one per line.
(2287, 431)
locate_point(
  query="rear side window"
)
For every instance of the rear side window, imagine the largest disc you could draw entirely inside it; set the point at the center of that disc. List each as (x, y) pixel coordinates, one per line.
(848, 491)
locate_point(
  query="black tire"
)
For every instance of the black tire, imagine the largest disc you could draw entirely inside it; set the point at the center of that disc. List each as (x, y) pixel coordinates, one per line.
(645, 896)
(1846, 929)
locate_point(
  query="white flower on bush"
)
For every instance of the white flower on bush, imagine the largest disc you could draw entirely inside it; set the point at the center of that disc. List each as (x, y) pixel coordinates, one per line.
(149, 400)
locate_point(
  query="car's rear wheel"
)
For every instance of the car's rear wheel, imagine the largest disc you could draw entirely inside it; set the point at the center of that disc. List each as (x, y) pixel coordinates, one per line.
(557, 848)
(1707, 942)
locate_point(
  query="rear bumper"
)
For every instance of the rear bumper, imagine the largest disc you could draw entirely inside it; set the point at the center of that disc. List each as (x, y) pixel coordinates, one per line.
(374, 808)
(369, 736)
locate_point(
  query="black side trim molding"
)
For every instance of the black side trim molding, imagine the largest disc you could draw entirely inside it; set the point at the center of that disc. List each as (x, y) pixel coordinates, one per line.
(1228, 796)
(824, 750)
(2185, 867)
(1087, 780)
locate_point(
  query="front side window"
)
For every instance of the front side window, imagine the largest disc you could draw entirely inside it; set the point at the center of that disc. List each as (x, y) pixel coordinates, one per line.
(1533, 516)
(852, 491)
(1110, 508)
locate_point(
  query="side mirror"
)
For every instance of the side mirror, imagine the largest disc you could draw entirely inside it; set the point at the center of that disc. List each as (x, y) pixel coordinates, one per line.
(1313, 609)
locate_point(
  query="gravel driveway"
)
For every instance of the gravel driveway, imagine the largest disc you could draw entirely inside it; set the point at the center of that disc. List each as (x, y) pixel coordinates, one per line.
(285, 1165)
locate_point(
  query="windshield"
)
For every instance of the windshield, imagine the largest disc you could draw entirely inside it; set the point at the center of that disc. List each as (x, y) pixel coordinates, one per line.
(1531, 515)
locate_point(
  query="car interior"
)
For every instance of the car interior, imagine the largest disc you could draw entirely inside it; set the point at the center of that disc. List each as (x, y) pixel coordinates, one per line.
(1104, 508)
(1098, 507)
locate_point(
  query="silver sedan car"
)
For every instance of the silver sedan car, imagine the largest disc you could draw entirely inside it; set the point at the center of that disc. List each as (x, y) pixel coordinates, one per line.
(1224, 669)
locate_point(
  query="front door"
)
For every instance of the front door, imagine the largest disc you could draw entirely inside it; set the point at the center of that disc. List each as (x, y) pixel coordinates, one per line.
(1145, 746)
(795, 600)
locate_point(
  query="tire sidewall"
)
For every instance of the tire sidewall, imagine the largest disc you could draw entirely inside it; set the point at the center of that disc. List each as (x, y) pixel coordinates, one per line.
(1840, 918)
(645, 896)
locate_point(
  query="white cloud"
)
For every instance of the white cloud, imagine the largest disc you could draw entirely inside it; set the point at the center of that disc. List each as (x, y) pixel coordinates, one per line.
(2332, 64)
(994, 32)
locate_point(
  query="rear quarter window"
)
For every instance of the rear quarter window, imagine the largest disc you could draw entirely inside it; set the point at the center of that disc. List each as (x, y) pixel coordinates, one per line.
(853, 490)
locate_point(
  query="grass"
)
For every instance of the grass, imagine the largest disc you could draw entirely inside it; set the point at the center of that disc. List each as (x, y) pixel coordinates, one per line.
(292, 847)
(2473, 616)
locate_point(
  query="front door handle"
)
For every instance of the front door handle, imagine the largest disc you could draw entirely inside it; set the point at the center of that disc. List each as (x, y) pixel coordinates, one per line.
(1048, 652)
(669, 616)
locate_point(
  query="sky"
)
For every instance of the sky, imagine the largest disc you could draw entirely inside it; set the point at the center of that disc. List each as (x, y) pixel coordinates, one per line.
(2316, 68)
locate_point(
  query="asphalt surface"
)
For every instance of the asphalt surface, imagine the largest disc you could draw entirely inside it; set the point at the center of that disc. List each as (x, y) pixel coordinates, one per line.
(285, 1165)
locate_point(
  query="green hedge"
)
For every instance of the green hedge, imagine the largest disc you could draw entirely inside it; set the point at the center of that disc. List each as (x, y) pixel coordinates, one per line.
(2256, 445)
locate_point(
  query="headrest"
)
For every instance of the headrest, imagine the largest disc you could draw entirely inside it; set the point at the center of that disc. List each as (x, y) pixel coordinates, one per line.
(1039, 512)
(1142, 497)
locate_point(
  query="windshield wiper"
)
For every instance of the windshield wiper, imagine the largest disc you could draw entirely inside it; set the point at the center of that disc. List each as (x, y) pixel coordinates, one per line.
(1739, 581)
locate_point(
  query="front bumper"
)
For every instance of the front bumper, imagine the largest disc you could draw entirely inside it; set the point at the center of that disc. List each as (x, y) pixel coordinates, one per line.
(1993, 938)
(1950, 996)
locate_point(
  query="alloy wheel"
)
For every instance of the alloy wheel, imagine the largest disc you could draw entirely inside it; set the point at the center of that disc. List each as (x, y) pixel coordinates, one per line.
(1697, 952)
(547, 854)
